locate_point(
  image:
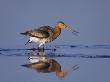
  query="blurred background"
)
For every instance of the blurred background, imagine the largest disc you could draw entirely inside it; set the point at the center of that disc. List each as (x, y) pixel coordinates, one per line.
(91, 18)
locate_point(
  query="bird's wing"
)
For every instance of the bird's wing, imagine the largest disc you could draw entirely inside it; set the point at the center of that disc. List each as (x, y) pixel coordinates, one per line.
(45, 28)
(37, 65)
(39, 33)
(42, 32)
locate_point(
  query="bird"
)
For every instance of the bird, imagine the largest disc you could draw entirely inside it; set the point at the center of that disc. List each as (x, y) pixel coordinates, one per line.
(46, 34)
(34, 59)
(50, 66)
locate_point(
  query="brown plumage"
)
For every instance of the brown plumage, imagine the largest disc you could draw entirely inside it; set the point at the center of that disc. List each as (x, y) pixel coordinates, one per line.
(45, 34)
(50, 66)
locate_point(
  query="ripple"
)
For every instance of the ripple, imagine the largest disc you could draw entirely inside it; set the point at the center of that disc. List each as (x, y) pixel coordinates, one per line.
(51, 51)
(50, 54)
(81, 46)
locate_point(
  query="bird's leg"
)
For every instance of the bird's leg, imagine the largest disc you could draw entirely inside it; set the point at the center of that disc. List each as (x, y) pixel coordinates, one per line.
(43, 48)
(39, 47)
(51, 65)
(28, 42)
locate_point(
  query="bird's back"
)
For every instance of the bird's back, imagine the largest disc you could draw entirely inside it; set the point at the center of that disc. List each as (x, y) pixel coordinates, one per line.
(41, 32)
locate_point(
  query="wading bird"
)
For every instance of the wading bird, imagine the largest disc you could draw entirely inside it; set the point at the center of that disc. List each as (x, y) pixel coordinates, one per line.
(46, 34)
(50, 65)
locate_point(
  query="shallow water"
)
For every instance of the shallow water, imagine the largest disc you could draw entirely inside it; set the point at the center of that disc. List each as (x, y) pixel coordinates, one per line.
(93, 62)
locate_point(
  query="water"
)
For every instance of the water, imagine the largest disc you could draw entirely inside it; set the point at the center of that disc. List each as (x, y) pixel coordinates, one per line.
(93, 62)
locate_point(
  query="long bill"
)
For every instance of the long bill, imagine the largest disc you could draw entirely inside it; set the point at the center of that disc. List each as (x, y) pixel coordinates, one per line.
(72, 30)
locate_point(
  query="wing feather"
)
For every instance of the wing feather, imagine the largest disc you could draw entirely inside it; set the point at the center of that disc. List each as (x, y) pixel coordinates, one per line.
(42, 32)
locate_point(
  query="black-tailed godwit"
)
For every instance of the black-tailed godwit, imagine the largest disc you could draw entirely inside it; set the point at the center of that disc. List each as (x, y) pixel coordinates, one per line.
(50, 65)
(46, 34)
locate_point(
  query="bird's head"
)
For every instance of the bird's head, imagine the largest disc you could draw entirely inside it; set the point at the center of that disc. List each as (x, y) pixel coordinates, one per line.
(61, 25)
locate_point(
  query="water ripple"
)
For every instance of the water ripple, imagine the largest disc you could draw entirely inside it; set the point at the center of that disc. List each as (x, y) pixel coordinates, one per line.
(51, 51)
(50, 54)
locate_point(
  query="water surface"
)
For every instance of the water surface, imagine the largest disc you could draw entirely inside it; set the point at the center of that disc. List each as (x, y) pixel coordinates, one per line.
(93, 61)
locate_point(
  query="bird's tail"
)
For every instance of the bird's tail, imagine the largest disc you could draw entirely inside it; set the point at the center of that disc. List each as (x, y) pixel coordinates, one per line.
(24, 33)
(26, 65)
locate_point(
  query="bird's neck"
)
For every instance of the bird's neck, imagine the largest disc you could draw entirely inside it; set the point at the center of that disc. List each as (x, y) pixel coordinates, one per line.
(57, 68)
(59, 72)
(56, 32)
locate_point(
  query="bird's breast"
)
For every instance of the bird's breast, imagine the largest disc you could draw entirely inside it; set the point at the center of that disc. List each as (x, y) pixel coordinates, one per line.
(39, 40)
(34, 39)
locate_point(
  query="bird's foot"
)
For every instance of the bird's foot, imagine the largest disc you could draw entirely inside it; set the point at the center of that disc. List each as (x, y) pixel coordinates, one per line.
(40, 49)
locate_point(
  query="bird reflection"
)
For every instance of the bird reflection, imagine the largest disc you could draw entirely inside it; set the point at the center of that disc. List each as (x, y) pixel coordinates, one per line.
(45, 64)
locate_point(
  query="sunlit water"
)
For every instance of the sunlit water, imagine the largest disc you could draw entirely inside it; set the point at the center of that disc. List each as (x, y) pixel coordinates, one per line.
(93, 61)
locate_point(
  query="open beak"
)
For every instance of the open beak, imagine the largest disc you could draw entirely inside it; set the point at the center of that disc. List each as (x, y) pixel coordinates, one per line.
(27, 42)
(72, 30)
